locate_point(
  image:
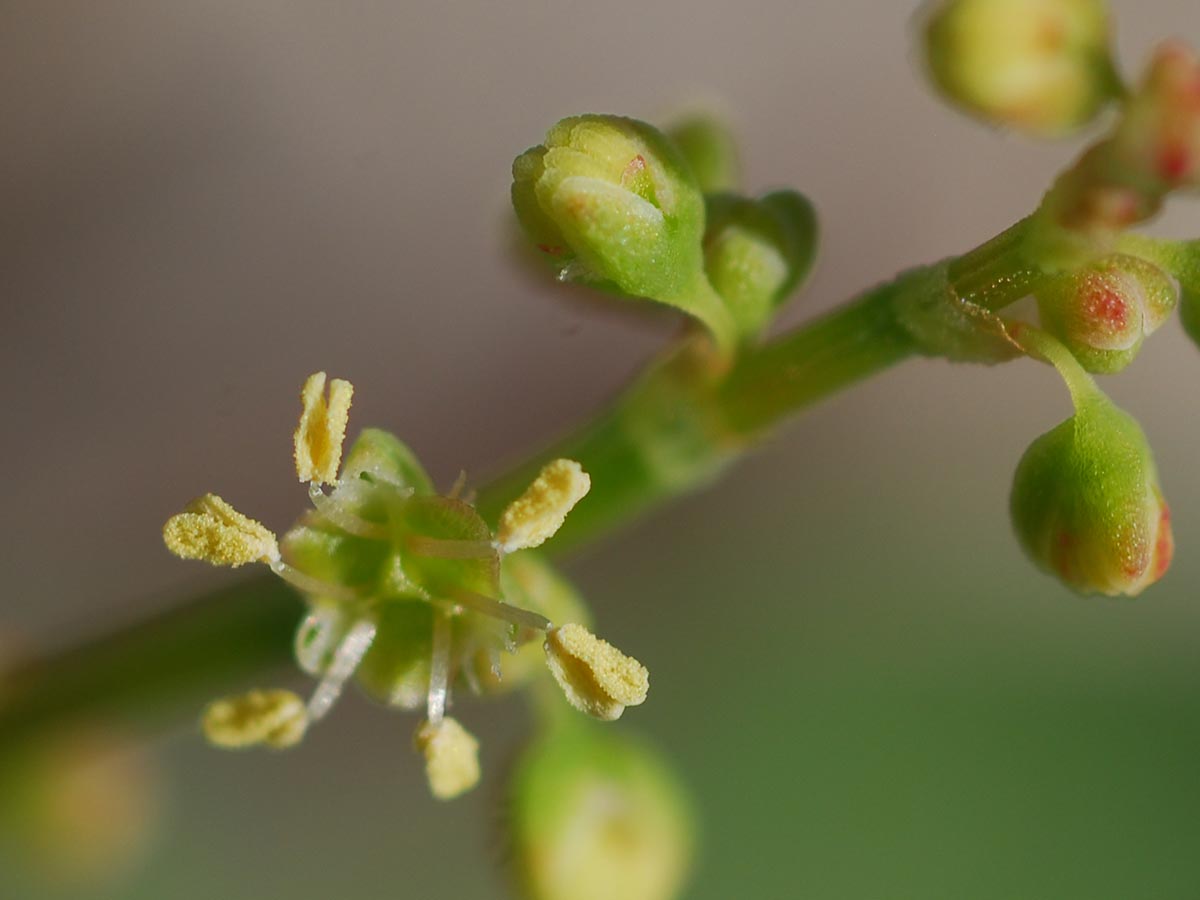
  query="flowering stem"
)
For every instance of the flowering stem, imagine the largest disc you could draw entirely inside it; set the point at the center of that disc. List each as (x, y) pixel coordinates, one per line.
(673, 431)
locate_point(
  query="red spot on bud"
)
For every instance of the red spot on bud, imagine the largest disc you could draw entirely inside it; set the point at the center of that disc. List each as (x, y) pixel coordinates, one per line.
(553, 251)
(1062, 555)
(1174, 161)
(1104, 304)
(636, 166)
(1164, 547)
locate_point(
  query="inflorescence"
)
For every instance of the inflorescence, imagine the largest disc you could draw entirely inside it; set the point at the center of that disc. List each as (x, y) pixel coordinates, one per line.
(408, 590)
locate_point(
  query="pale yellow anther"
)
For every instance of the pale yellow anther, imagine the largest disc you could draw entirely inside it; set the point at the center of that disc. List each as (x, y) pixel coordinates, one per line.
(276, 718)
(597, 678)
(451, 758)
(212, 530)
(322, 428)
(540, 511)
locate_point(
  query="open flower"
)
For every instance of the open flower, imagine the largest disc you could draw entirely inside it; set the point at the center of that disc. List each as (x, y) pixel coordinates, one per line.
(405, 586)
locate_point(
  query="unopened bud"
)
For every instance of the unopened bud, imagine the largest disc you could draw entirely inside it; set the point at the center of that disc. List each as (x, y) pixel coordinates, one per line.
(612, 202)
(451, 758)
(596, 677)
(1041, 66)
(757, 251)
(598, 816)
(1103, 311)
(1159, 135)
(1086, 503)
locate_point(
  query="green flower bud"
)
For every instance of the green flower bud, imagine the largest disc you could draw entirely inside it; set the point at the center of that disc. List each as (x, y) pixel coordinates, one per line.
(612, 202)
(1159, 134)
(598, 816)
(1086, 503)
(1103, 312)
(756, 252)
(710, 150)
(1188, 274)
(1040, 66)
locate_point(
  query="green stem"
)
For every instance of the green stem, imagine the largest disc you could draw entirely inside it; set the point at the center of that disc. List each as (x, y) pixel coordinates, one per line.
(674, 430)
(153, 673)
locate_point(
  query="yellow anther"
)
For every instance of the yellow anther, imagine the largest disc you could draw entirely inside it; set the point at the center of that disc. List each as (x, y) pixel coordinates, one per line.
(322, 428)
(276, 718)
(540, 511)
(212, 530)
(451, 758)
(597, 678)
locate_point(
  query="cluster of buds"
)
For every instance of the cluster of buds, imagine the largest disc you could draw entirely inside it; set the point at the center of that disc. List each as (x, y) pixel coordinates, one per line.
(1153, 150)
(617, 204)
(1040, 66)
(410, 592)
(1086, 502)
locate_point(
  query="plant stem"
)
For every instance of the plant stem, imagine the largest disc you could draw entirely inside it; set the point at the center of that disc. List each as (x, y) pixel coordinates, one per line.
(674, 430)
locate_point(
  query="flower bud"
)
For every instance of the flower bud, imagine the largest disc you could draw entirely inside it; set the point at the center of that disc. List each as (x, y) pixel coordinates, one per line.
(757, 251)
(612, 202)
(596, 817)
(710, 151)
(1086, 503)
(1159, 134)
(79, 810)
(1103, 311)
(1040, 66)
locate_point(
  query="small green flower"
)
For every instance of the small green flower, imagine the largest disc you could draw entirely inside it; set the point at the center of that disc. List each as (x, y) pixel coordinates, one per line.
(409, 591)
(611, 202)
(1086, 502)
(1041, 66)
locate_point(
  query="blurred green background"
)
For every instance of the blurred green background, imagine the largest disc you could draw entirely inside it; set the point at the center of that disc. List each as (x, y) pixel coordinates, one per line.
(870, 692)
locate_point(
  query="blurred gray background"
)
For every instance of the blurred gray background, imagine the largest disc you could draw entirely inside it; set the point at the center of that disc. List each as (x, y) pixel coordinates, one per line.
(870, 691)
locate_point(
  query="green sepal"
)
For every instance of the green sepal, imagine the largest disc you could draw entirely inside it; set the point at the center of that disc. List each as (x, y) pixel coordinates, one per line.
(757, 252)
(380, 454)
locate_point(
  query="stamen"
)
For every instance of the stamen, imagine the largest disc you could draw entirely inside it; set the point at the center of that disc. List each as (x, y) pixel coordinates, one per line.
(596, 677)
(212, 530)
(439, 668)
(337, 514)
(539, 512)
(322, 429)
(490, 606)
(451, 757)
(276, 718)
(307, 584)
(345, 660)
(459, 483)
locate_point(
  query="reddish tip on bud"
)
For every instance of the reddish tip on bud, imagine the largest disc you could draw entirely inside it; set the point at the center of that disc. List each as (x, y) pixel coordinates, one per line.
(1160, 133)
(1103, 311)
